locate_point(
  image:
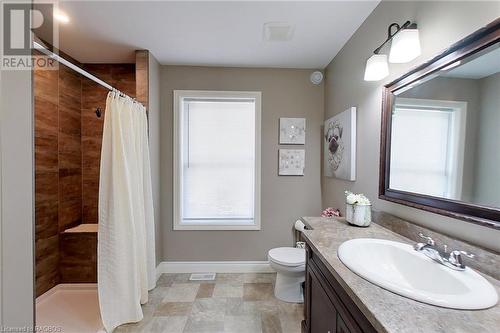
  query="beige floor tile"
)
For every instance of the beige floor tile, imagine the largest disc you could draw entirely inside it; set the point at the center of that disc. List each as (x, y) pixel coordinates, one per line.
(233, 303)
(228, 290)
(183, 278)
(243, 324)
(173, 324)
(148, 310)
(156, 295)
(258, 291)
(238, 307)
(290, 323)
(229, 278)
(206, 290)
(202, 325)
(165, 280)
(209, 308)
(173, 309)
(259, 277)
(295, 309)
(269, 307)
(207, 315)
(181, 292)
(271, 324)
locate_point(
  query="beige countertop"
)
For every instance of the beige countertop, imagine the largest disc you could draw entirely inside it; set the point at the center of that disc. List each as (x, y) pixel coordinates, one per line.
(387, 311)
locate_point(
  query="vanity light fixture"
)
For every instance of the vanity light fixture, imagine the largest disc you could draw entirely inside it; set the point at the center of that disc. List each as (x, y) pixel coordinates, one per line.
(405, 45)
(376, 67)
(404, 48)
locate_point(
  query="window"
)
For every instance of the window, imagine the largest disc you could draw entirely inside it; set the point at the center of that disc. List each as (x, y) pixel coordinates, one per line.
(427, 149)
(216, 160)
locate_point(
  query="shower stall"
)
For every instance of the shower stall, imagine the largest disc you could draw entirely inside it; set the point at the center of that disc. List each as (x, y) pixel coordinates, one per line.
(69, 109)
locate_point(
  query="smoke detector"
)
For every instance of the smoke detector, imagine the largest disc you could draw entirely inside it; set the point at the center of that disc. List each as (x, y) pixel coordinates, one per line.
(278, 31)
(316, 77)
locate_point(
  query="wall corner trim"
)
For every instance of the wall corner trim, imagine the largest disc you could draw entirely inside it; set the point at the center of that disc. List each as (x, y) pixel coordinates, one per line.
(213, 266)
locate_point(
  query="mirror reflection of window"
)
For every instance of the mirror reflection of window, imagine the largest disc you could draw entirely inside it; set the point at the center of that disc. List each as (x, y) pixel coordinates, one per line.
(445, 131)
(427, 147)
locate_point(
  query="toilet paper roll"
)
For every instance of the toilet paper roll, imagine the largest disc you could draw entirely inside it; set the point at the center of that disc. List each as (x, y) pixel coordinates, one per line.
(300, 226)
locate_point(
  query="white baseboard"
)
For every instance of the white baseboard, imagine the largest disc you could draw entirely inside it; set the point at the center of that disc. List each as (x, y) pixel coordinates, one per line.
(213, 267)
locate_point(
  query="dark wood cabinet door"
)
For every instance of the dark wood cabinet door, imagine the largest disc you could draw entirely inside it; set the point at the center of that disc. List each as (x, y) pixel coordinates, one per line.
(341, 326)
(327, 306)
(323, 316)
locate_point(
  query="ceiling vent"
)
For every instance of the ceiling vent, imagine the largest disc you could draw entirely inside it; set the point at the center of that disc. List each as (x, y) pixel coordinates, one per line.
(278, 31)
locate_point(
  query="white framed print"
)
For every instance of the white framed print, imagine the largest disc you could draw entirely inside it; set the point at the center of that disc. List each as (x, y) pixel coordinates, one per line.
(291, 162)
(292, 131)
(340, 145)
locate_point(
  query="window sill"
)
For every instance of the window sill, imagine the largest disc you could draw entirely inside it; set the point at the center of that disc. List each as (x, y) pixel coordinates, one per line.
(214, 226)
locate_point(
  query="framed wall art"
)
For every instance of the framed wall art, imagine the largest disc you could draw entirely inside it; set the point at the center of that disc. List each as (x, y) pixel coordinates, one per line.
(291, 162)
(340, 145)
(292, 131)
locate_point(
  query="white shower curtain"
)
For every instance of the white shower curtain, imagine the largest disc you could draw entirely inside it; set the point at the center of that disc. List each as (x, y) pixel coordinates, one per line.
(125, 249)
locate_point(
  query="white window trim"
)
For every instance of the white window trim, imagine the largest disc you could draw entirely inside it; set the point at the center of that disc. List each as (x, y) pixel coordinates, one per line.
(177, 195)
(459, 129)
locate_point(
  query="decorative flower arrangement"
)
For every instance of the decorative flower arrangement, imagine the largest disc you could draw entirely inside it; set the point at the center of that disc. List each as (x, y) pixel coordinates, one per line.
(330, 212)
(358, 209)
(356, 199)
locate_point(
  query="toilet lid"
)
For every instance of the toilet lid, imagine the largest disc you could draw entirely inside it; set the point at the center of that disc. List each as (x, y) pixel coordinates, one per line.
(288, 256)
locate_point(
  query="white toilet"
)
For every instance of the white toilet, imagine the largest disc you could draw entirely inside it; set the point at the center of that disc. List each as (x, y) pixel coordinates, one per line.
(289, 263)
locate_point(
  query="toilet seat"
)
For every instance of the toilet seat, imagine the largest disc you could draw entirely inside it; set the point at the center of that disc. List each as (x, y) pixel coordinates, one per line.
(288, 256)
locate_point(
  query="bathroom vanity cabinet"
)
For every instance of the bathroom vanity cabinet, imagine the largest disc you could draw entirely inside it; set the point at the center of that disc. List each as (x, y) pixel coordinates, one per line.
(328, 308)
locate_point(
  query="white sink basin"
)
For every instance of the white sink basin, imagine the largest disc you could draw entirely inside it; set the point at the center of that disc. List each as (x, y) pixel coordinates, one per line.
(399, 268)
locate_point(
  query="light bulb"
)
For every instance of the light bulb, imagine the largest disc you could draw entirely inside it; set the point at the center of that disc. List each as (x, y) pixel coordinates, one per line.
(405, 46)
(376, 67)
(61, 16)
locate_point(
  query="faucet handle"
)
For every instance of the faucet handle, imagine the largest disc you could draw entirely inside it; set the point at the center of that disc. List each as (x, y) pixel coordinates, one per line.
(468, 255)
(428, 239)
(456, 258)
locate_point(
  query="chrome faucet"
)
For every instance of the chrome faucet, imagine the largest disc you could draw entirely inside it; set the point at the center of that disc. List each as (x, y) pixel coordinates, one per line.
(455, 258)
(429, 248)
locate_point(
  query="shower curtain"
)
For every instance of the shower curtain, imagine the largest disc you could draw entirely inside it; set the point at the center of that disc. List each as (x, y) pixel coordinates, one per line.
(125, 249)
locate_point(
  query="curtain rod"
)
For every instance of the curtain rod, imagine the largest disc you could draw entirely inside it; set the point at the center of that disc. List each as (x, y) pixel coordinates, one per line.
(74, 67)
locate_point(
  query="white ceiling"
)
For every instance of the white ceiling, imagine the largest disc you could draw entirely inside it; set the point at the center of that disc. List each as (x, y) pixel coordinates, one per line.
(210, 33)
(482, 66)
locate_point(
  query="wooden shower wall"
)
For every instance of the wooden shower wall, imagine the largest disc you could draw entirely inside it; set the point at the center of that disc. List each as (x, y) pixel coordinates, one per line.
(122, 77)
(58, 186)
(67, 155)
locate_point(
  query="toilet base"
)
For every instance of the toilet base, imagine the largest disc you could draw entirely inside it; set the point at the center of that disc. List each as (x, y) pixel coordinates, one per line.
(289, 288)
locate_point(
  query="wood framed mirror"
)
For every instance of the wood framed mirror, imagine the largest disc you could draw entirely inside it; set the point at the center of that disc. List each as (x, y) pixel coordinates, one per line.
(440, 138)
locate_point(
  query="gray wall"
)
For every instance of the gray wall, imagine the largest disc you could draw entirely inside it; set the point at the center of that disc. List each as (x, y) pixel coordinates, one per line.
(16, 246)
(154, 142)
(488, 156)
(441, 23)
(1, 277)
(16, 193)
(285, 93)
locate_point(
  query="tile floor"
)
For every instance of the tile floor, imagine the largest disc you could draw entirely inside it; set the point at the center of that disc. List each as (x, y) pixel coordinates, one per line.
(233, 303)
